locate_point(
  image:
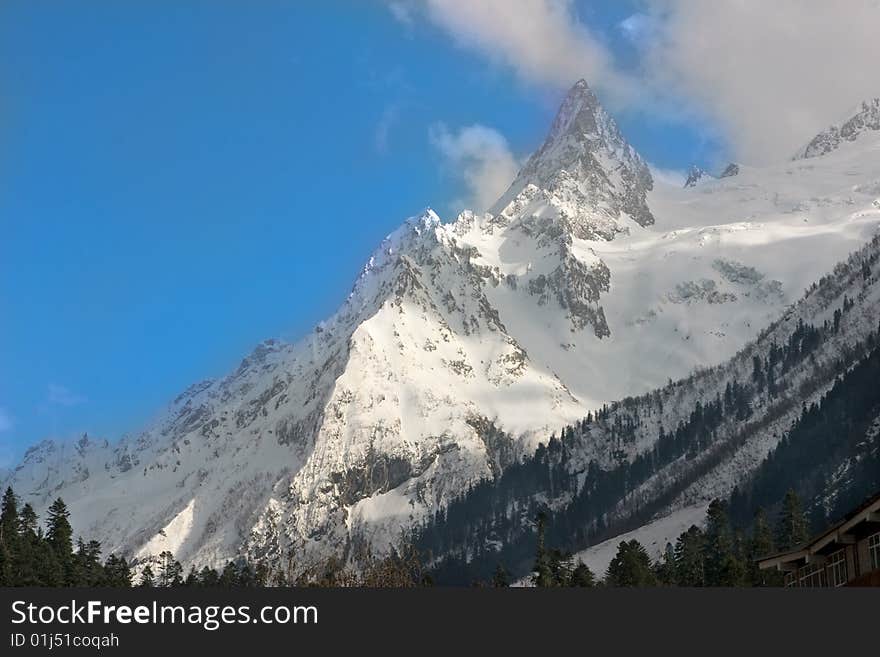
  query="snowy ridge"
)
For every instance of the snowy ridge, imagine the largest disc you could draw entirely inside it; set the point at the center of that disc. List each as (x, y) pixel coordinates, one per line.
(587, 283)
(865, 119)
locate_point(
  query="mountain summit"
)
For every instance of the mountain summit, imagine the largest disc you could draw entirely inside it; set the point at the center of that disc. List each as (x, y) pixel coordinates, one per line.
(585, 172)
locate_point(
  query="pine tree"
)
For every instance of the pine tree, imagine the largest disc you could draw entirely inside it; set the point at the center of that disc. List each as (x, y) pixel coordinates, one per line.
(192, 577)
(500, 579)
(631, 566)
(59, 536)
(582, 576)
(5, 565)
(147, 578)
(117, 572)
(208, 577)
(229, 577)
(722, 567)
(262, 573)
(8, 538)
(561, 567)
(89, 571)
(761, 545)
(792, 528)
(689, 566)
(28, 523)
(664, 568)
(247, 576)
(543, 575)
(9, 517)
(170, 570)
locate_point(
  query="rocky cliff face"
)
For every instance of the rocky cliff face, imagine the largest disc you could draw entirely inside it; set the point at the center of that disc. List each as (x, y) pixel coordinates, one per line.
(464, 344)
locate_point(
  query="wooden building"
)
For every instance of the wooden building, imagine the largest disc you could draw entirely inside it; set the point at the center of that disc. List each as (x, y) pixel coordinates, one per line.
(846, 554)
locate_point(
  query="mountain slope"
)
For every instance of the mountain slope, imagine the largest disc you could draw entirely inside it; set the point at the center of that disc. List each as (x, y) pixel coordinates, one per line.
(463, 344)
(792, 409)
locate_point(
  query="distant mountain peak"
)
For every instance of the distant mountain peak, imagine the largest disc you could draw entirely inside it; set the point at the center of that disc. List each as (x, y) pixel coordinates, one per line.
(865, 119)
(586, 171)
(695, 176)
(730, 170)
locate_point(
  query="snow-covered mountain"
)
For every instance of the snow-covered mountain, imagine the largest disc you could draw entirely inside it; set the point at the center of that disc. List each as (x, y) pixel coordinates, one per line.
(865, 119)
(696, 176)
(587, 282)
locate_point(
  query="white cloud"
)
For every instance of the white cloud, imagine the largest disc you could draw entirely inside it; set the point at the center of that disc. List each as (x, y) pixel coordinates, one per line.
(6, 422)
(771, 74)
(482, 159)
(673, 177)
(62, 396)
(542, 40)
(767, 75)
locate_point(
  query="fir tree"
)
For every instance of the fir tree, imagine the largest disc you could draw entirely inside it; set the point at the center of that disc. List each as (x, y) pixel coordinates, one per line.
(500, 579)
(689, 566)
(543, 575)
(87, 565)
(208, 577)
(59, 536)
(170, 570)
(117, 572)
(229, 577)
(9, 517)
(28, 523)
(722, 567)
(792, 529)
(582, 576)
(664, 568)
(631, 566)
(58, 532)
(5, 565)
(147, 578)
(761, 545)
(192, 577)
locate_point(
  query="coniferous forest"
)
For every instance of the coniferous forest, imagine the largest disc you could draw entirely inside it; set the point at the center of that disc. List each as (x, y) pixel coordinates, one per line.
(31, 555)
(719, 555)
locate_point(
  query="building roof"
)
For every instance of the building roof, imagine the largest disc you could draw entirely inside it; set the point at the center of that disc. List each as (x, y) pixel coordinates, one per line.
(868, 511)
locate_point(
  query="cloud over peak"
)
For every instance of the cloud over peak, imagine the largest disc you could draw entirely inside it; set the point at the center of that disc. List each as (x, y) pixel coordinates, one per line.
(767, 75)
(481, 157)
(770, 74)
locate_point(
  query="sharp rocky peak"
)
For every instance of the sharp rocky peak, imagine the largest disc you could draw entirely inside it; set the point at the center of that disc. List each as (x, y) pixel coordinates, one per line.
(585, 170)
(581, 113)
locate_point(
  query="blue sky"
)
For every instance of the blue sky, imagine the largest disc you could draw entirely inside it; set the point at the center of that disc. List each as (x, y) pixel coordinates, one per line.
(178, 184)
